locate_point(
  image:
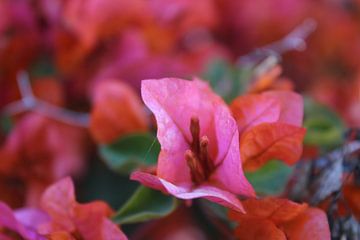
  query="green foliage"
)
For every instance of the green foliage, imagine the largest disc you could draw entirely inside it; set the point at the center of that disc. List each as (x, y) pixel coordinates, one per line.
(324, 127)
(130, 152)
(5, 123)
(226, 80)
(144, 205)
(100, 183)
(271, 179)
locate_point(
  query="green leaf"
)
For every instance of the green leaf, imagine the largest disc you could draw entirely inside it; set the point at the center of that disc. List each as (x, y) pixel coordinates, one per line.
(144, 205)
(130, 152)
(100, 183)
(220, 211)
(271, 179)
(6, 123)
(324, 127)
(227, 80)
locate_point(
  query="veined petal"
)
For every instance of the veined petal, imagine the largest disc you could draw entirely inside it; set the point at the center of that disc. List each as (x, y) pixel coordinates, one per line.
(271, 140)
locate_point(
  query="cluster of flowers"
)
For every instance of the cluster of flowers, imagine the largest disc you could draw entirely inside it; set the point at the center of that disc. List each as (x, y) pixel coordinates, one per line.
(204, 146)
(94, 55)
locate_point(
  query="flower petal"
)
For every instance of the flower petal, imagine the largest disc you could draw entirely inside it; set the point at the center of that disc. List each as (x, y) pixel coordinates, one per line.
(9, 221)
(269, 141)
(117, 111)
(311, 224)
(31, 217)
(58, 201)
(148, 180)
(229, 174)
(250, 228)
(276, 209)
(251, 110)
(91, 221)
(211, 193)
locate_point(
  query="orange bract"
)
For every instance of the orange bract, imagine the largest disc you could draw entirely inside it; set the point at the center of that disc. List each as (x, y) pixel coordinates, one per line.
(272, 218)
(117, 111)
(271, 141)
(270, 127)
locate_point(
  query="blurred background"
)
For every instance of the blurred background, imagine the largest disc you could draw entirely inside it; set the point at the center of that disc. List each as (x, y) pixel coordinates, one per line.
(70, 66)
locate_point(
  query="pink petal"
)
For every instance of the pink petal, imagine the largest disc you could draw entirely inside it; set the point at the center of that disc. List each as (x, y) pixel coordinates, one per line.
(58, 201)
(8, 220)
(229, 174)
(211, 193)
(148, 180)
(31, 217)
(292, 106)
(174, 102)
(111, 231)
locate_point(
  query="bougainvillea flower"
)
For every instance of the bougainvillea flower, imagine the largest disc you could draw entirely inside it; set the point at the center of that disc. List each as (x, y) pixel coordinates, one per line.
(269, 126)
(68, 217)
(35, 155)
(21, 224)
(117, 111)
(272, 218)
(60, 217)
(199, 143)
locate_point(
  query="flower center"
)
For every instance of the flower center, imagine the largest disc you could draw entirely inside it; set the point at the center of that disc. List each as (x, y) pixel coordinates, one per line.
(197, 157)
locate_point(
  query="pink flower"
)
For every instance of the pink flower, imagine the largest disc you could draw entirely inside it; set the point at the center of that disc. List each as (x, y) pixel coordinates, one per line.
(22, 223)
(199, 143)
(60, 217)
(35, 155)
(70, 218)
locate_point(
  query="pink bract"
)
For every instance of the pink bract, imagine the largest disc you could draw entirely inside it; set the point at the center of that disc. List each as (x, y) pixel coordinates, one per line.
(179, 105)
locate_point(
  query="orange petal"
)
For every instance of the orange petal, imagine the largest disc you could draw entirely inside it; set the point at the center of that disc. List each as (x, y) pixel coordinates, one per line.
(311, 224)
(257, 228)
(274, 209)
(271, 141)
(117, 111)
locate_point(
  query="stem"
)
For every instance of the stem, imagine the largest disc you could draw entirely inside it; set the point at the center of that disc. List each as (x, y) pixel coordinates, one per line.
(295, 40)
(29, 102)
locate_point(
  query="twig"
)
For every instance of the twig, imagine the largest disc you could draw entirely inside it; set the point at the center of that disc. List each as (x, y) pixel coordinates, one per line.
(295, 40)
(29, 102)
